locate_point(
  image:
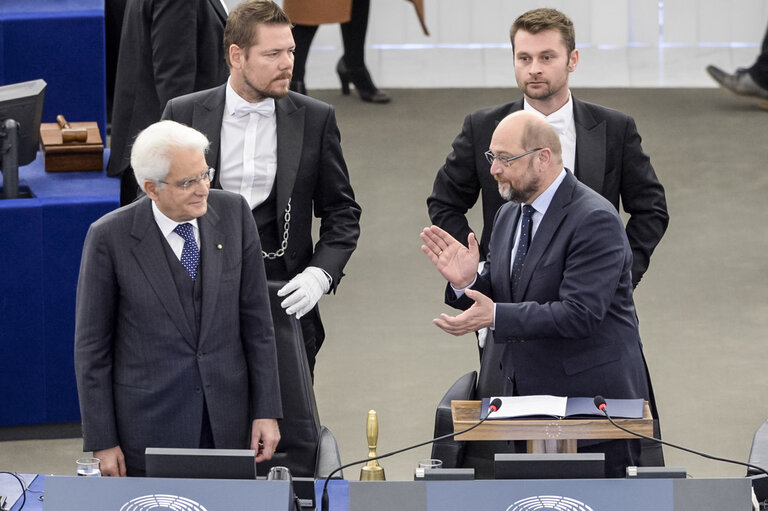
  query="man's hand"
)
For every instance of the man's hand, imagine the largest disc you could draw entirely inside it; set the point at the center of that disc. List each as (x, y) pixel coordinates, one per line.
(265, 436)
(477, 317)
(454, 261)
(112, 461)
(304, 291)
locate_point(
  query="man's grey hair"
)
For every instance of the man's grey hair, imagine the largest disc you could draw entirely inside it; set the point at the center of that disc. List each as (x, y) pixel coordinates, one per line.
(154, 147)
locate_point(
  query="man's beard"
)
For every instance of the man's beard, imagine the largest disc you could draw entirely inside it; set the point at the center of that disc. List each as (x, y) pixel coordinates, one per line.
(263, 94)
(512, 194)
(521, 195)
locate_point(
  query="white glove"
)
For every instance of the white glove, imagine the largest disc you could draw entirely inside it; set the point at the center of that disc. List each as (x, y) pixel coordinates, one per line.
(481, 335)
(304, 291)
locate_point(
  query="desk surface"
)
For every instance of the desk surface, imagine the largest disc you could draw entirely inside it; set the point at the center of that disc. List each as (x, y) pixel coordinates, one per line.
(48, 185)
(467, 413)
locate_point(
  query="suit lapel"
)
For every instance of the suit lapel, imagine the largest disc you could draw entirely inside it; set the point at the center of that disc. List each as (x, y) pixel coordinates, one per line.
(206, 118)
(506, 241)
(290, 130)
(150, 255)
(590, 147)
(545, 233)
(213, 242)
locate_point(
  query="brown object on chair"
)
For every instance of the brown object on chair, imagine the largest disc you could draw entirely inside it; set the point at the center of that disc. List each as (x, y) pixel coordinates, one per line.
(71, 147)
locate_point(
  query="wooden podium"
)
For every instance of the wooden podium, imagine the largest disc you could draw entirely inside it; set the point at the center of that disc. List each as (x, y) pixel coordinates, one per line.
(544, 435)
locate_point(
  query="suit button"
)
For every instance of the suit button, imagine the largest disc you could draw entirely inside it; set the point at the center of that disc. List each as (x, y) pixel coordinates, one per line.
(198, 390)
(199, 355)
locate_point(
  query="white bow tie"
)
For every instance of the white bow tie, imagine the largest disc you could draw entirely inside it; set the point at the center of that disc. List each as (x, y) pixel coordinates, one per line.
(264, 108)
(558, 123)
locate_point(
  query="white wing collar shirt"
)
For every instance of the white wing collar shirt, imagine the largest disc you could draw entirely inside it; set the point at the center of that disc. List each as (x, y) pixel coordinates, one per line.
(562, 122)
(248, 147)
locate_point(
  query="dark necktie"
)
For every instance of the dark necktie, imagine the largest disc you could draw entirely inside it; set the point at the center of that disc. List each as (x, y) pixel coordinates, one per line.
(522, 245)
(190, 254)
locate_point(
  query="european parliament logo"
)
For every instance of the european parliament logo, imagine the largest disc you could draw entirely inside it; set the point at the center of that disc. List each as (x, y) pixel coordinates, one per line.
(547, 503)
(157, 502)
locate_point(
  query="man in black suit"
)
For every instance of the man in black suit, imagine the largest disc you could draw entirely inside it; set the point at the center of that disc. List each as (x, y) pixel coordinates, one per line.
(174, 344)
(282, 152)
(600, 146)
(556, 287)
(167, 48)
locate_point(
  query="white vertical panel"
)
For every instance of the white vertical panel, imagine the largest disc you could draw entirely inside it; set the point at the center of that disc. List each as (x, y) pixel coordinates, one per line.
(609, 26)
(680, 20)
(643, 22)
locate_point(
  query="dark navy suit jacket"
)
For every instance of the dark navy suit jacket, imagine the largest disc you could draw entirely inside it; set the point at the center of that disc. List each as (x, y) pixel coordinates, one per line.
(569, 329)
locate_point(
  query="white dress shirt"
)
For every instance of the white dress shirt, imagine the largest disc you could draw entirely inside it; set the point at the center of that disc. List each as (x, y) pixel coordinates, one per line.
(248, 147)
(167, 226)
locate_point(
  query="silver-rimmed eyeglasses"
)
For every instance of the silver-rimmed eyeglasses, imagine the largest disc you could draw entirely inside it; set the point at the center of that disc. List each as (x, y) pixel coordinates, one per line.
(205, 178)
(507, 160)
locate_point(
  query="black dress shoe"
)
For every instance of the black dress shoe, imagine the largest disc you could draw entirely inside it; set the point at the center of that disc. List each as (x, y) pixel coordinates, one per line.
(361, 78)
(740, 82)
(298, 86)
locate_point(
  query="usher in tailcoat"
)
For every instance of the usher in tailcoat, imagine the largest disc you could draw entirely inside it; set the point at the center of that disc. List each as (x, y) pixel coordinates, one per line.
(569, 329)
(142, 374)
(167, 48)
(609, 160)
(310, 171)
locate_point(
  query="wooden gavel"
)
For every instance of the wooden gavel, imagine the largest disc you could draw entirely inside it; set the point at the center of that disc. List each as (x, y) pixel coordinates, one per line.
(70, 134)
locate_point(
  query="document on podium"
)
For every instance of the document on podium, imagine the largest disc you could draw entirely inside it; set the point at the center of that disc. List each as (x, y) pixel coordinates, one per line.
(559, 407)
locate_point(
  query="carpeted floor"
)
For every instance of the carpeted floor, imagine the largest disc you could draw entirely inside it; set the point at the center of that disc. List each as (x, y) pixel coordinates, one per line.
(703, 304)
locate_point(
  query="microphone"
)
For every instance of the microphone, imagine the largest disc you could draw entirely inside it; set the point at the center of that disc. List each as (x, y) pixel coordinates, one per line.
(492, 407)
(603, 407)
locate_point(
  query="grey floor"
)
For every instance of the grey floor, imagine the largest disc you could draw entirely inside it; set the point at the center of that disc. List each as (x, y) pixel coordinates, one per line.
(703, 305)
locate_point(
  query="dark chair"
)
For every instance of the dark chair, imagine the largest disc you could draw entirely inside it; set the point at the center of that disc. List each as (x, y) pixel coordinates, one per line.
(490, 382)
(479, 454)
(306, 447)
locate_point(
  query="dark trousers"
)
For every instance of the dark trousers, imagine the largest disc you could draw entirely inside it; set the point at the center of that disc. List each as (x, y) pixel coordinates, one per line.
(759, 70)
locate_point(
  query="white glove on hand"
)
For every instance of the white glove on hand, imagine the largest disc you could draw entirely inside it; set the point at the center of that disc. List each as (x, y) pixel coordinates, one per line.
(304, 291)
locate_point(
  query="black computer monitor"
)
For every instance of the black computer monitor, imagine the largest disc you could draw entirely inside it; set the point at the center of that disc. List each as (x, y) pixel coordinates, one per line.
(21, 109)
(200, 463)
(549, 466)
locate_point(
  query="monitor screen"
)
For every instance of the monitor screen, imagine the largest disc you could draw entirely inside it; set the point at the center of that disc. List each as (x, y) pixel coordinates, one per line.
(23, 102)
(549, 466)
(201, 463)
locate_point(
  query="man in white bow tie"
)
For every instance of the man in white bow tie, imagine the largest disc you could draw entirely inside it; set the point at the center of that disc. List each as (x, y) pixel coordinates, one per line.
(282, 152)
(600, 146)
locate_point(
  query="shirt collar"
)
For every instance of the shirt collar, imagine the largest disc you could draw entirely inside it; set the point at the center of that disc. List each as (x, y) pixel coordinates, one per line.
(167, 225)
(560, 119)
(234, 100)
(542, 202)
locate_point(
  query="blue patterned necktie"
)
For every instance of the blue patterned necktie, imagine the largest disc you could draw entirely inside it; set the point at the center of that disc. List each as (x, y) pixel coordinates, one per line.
(522, 245)
(190, 254)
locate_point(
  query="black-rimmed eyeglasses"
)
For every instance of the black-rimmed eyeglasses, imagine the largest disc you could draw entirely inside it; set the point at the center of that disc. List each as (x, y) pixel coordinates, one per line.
(186, 184)
(507, 160)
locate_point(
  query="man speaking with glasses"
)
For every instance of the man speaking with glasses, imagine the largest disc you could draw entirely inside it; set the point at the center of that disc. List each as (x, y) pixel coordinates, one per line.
(556, 288)
(174, 344)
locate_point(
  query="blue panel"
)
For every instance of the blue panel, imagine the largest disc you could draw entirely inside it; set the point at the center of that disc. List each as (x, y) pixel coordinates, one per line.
(22, 381)
(42, 240)
(62, 43)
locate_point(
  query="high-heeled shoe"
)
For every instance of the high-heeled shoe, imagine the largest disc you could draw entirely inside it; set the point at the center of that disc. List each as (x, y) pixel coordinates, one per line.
(361, 78)
(298, 86)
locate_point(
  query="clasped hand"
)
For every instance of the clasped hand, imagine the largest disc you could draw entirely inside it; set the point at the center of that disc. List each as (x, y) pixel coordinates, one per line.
(458, 264)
